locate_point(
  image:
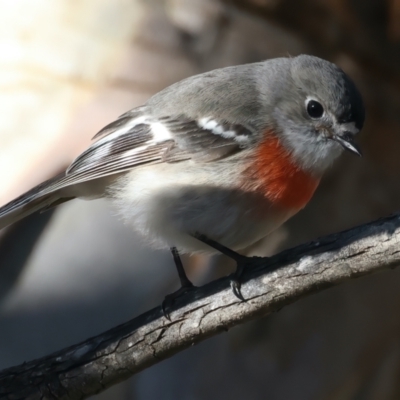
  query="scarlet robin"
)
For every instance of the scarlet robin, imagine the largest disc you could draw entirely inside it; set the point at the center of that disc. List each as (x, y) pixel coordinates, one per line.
(219, 159)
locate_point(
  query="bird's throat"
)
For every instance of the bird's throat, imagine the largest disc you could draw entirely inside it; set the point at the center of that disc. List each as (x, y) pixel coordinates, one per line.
(275, 174)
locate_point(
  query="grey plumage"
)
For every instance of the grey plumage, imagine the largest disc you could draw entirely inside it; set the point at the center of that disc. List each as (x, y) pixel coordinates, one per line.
(206, 118)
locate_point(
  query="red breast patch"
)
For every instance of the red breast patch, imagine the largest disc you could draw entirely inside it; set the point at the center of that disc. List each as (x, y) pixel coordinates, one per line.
(276, 175)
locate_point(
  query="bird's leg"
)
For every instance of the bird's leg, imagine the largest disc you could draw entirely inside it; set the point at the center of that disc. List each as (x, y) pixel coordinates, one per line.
(185, 282)
(242, 262)
(186, 285)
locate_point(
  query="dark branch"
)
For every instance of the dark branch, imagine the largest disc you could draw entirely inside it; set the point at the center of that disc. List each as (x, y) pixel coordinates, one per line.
(100, 362)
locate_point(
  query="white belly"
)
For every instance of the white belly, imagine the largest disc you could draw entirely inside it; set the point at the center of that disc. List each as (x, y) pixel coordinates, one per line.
(167, 204)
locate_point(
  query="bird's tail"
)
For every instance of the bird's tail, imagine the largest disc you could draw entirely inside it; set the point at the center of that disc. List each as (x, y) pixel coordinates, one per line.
(40, 198)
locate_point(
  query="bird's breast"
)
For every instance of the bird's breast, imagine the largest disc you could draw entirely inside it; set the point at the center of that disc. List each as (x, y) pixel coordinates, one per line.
(274, 173)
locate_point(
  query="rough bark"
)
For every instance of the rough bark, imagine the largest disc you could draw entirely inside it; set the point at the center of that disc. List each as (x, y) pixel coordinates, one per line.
(100, 362)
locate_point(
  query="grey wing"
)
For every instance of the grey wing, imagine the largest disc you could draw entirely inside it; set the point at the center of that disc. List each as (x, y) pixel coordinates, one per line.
(122, 145)
(135, 139)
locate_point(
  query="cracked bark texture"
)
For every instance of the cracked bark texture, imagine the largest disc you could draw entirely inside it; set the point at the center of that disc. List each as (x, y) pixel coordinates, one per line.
(92, 366)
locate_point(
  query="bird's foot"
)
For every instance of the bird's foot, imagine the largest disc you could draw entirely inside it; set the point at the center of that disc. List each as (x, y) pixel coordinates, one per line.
(242, 262)
(186, 285)
(170, 298)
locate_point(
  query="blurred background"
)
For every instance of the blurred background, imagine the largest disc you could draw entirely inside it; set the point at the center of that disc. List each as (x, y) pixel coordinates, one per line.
(67, 68)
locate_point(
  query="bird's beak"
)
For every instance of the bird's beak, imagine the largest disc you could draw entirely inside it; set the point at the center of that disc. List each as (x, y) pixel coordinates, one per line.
(346, 140)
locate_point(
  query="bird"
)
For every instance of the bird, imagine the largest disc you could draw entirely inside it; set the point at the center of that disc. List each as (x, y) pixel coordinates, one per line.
(215, 162)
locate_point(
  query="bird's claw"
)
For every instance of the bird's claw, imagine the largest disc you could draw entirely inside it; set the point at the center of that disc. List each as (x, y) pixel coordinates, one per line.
(236, 282)
(236, 289)
(170, 298)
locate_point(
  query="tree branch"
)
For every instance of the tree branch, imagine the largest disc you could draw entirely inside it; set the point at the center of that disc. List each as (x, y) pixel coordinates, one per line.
(102, 361)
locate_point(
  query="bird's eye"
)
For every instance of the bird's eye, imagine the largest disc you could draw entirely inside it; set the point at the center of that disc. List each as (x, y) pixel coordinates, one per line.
(315, 109)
